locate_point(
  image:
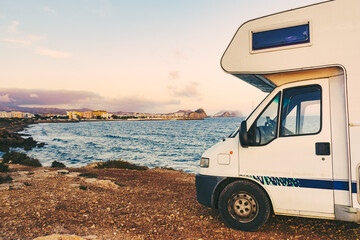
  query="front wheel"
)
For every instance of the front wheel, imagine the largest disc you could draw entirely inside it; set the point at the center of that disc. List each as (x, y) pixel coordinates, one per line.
(243, 205)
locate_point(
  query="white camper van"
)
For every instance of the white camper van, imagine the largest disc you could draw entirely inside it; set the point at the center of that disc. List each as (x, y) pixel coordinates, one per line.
(298, 153)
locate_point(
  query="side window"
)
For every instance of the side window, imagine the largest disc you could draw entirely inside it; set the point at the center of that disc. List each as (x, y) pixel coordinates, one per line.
(264, 128)
(301, 111)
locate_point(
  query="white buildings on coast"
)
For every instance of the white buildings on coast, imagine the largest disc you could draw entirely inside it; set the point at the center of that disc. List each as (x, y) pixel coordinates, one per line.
(104, 115)
(92, 115)
(4, 114)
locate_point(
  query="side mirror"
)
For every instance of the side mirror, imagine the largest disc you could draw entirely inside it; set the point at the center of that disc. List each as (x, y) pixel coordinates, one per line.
(243, 135)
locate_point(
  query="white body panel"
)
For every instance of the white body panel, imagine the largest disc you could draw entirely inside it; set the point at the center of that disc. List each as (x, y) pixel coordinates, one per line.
(339, 132)
(218, 152)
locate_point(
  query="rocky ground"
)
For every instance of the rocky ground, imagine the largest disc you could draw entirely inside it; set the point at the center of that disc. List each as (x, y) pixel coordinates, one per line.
(129, 204)
(9, 138)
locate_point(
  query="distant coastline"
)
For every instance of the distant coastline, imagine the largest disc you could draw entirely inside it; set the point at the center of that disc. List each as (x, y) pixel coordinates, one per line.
(39, 114)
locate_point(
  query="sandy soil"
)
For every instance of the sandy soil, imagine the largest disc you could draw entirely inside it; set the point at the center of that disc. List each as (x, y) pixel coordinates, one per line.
(152, 204)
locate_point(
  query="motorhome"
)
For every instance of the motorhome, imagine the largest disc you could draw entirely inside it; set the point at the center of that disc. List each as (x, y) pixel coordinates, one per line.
(298, 152)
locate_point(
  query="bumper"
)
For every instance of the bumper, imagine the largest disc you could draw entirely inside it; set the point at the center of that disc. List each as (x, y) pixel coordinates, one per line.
(205, 188)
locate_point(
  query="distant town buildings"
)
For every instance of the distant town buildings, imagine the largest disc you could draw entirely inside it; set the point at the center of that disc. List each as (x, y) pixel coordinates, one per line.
(98, 114)
(4, 114)
(87, 115)
(104, 115)
(74, 115)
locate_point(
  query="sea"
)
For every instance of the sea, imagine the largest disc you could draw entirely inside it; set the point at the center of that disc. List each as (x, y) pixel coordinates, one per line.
(176, 144)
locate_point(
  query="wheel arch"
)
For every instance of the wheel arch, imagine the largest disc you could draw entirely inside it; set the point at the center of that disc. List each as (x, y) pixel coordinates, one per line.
(221, 185)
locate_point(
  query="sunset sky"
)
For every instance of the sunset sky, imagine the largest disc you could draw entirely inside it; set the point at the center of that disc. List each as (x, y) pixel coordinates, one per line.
(147, 56)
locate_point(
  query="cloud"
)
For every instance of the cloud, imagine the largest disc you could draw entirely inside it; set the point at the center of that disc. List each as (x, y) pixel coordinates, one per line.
(49, 10)
(5, 98)
(15, 39)
(173, 75)
(190, 90)
(45, 97)
(138, 104)
(23, 42)
(78, 99)
(53, 53)
(180, 56)
(13, 26)
(30, 41)
(16, 43)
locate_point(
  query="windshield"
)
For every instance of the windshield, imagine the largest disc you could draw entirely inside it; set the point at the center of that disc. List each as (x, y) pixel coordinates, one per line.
(263, 130)
(257, 106)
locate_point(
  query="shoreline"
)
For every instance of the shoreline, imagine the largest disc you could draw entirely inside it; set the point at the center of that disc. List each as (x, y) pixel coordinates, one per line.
(88, 203)
(22, 125)
(114, 120)
(10, 138)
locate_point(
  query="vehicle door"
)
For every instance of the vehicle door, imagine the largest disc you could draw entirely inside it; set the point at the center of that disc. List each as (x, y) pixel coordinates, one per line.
(289, 149)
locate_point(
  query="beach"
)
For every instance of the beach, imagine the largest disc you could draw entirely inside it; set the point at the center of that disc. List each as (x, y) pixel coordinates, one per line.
(130, 204)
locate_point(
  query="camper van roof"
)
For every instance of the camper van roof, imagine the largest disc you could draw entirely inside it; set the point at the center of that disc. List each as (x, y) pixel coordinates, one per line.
(311, 42)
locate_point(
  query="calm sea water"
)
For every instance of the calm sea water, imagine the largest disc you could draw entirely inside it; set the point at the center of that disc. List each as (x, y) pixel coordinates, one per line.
(176, 144)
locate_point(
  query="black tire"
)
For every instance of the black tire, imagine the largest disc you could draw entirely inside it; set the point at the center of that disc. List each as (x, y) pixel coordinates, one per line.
(243, 205)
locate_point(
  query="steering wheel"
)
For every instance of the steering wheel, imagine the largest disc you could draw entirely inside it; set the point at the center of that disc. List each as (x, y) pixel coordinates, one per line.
(269, 122)
(258, 135)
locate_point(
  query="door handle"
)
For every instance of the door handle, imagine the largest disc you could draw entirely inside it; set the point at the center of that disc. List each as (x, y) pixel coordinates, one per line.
(322, 148)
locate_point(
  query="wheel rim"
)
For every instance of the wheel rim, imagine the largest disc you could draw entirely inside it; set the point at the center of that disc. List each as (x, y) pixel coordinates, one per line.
(243, 207)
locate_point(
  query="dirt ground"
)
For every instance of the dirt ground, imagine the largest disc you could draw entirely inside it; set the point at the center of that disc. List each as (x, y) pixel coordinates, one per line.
(152, 204)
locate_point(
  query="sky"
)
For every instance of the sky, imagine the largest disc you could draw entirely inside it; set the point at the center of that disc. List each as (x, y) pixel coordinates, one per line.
(154, 56)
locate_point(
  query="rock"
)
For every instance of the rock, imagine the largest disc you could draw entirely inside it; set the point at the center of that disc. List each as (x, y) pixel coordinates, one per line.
(228, 114)
(12, 186)
(102, 183)
(20, 177)
(198, 114)
(20, 158)
(62, 171)
(14, 140)
(107, 184)
(91, 180)
(59, 237)
(43, 174)
(56, 164)
(73, 174)
(5, 186)
(93, 165)
(90, 237)
(75, 185)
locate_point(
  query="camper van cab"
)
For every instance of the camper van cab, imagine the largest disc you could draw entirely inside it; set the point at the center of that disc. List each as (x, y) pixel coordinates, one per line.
(298, 152)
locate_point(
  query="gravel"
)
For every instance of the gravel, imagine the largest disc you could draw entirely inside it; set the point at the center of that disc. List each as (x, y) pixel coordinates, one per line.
(130, 204)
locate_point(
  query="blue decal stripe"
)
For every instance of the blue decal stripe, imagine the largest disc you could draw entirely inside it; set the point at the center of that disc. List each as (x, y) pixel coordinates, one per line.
(353, 188)
(305, 183)
(321, 184)
(341, 185)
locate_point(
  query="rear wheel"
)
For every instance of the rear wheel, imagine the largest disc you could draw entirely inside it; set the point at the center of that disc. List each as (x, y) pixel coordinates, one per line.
(243, 205)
